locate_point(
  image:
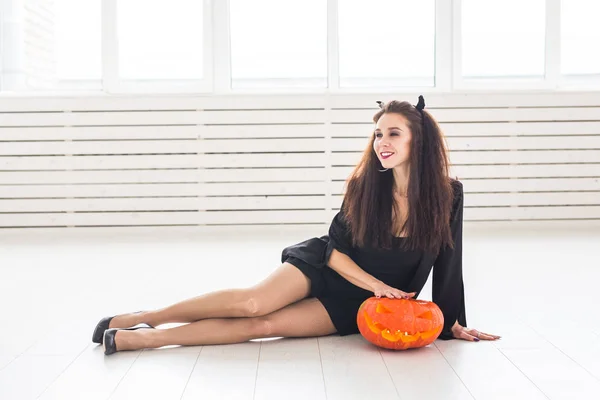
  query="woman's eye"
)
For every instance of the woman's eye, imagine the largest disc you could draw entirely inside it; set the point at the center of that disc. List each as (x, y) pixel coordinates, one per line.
(380, 134)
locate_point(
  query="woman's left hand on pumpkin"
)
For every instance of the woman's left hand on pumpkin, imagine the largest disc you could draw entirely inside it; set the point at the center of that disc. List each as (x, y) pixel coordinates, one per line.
(473, 335)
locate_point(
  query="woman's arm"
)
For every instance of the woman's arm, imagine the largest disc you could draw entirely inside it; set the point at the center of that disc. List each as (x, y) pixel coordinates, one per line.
(448, 287)
(349, 270)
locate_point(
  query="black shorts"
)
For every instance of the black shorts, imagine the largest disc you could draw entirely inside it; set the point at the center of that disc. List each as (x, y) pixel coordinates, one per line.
(340, 298)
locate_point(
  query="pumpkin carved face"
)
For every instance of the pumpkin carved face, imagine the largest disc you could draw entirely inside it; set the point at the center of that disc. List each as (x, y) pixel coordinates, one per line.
(399, 324)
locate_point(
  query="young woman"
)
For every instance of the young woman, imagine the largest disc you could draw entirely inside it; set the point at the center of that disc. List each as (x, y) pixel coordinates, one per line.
(401, 216)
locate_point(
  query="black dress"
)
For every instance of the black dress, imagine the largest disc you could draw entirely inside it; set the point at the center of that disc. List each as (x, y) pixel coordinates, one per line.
(406, 270)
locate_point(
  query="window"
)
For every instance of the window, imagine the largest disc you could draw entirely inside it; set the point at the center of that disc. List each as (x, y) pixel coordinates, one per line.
(236, 46)
(503, 38)
(386, 43)
(78, 40)
(580, 37)
(160, 40)
(277, 43)
(55, 51)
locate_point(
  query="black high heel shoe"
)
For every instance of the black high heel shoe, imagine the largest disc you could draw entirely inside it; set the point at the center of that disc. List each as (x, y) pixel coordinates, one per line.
(110, 345)
(102, 326)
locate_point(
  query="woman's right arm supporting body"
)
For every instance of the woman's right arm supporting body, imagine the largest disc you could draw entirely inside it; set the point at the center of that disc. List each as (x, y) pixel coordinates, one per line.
(353, 273)
(349, 270)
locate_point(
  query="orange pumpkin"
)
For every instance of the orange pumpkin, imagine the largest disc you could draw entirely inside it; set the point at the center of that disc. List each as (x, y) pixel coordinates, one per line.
(399, 324)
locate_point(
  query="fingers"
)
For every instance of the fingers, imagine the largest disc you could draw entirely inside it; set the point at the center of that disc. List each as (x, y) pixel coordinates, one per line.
(465, 335)
(402, 295)
(395, 294)
(487, 336)
(474, 333)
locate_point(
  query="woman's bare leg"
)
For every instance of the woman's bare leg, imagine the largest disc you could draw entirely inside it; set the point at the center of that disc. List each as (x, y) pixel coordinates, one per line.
(286, 285)
(305, 318)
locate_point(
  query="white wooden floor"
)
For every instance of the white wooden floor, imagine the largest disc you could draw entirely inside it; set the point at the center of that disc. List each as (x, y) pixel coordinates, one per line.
(538, 289)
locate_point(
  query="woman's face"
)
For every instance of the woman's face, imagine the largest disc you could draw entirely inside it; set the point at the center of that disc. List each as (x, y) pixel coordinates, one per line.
(392, 135)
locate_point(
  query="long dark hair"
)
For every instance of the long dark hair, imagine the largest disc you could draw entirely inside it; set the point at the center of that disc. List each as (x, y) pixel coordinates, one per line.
(369, 198)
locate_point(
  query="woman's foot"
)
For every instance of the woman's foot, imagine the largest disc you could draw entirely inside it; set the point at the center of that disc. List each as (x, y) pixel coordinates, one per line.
(122, 340)
(126, 320)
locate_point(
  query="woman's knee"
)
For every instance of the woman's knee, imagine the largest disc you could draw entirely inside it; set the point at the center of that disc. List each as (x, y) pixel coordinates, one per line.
(286, 286)
(253, 304)
(307, 317)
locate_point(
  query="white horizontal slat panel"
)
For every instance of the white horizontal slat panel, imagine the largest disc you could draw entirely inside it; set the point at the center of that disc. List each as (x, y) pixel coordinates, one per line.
(258, 188)
(291, 203)
(497, 157)
(106, 204)
(262, 145)
(531, 185)
(157, 103)
(133, 176)
(163, 204)
(531, 213)
(504, 171)
(526, 171)
(99, 219)
(164, 218)
(156, 162)
(525, 157)
(162, 190)
(493, 143)
(563, 128)
(162, 118)
(262, 131)
(265, 217)
(264, 175)
(229, 117)
(524, 143)
(532, 199)
(42, 163)
(363, 130)
(121, 190)
(95, 118)
(470, 100)
(515, 185)
(517, 199)
(484, 114)
(263, 160)
(101, 147)
(100, 133)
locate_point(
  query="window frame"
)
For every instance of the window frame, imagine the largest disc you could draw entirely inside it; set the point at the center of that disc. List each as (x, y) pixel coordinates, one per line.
(112, 84)
(547, 81)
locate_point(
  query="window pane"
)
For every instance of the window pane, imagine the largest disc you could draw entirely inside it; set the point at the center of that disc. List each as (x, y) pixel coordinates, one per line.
(78, 39)
(54, 45)
(278, 43)
(387, 43)
(580, 37)
(160, 40)
(503, 38)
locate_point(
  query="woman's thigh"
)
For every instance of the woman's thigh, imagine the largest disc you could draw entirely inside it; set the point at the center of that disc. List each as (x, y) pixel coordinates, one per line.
(305, 318)
(284, 286)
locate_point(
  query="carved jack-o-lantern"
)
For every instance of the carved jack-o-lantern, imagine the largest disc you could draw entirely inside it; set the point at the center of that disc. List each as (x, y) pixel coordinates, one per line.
(399, 324)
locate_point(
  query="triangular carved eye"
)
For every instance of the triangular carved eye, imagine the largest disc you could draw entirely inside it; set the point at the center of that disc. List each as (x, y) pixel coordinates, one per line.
(381, 309)
(426, 315)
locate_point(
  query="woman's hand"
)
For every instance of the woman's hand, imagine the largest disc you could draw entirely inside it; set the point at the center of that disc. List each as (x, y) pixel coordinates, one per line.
(381, 289)
(473, 335)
